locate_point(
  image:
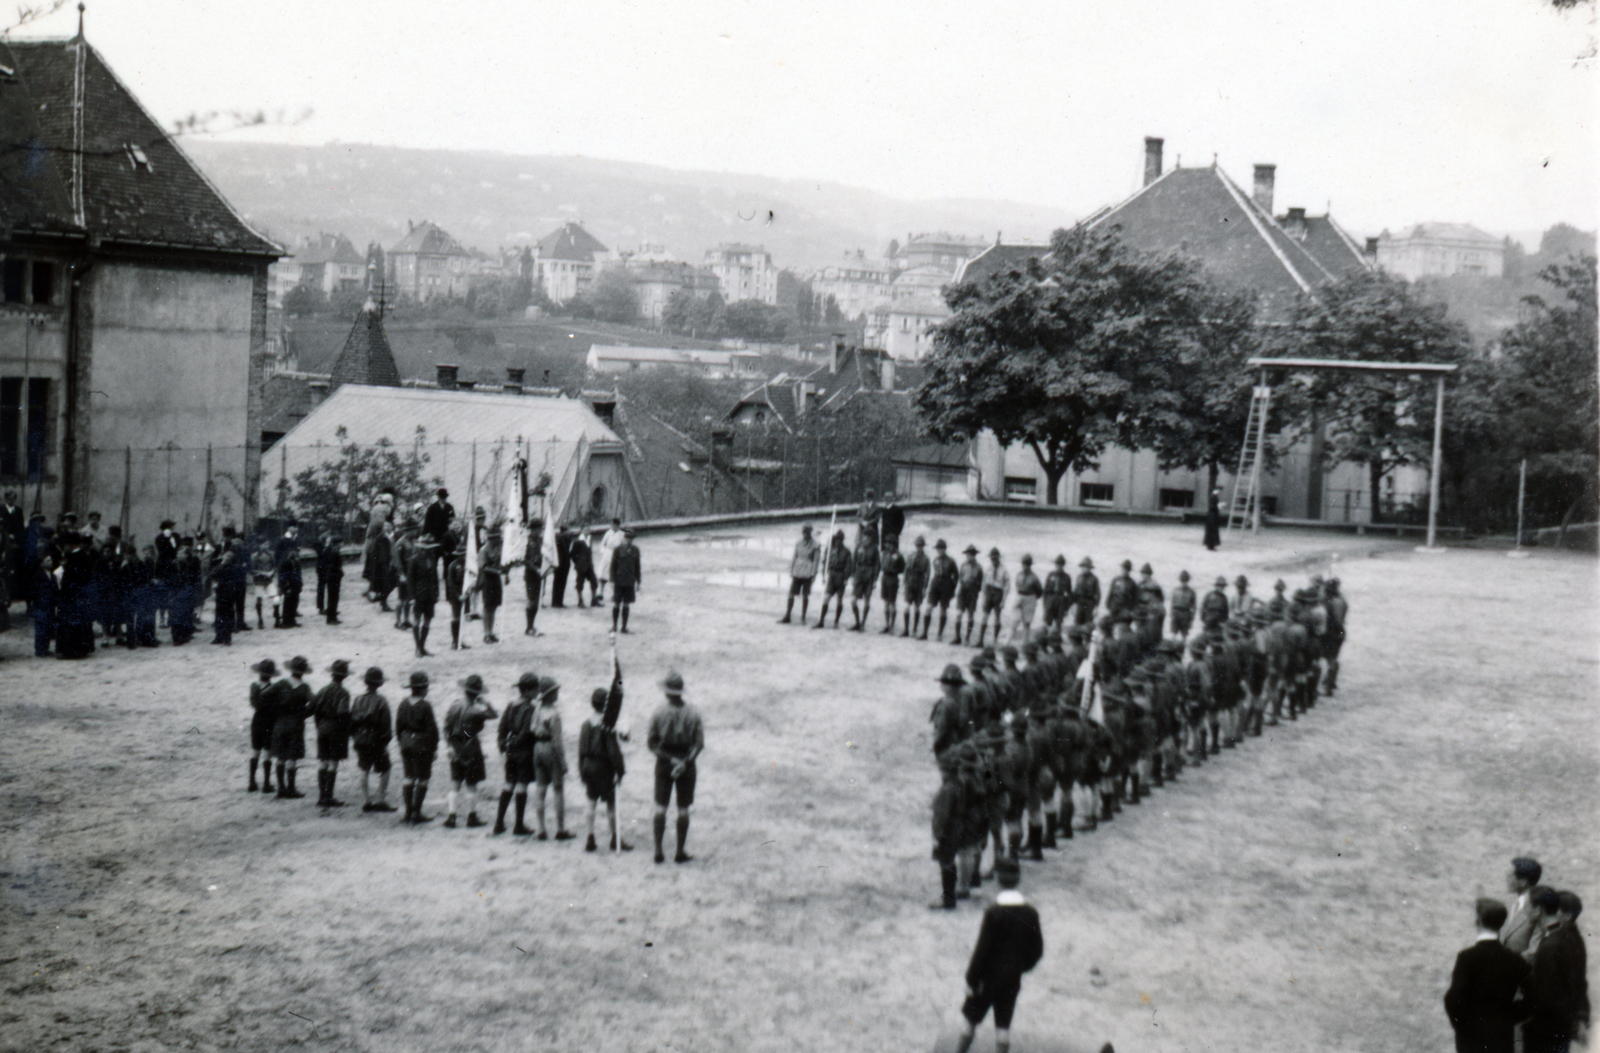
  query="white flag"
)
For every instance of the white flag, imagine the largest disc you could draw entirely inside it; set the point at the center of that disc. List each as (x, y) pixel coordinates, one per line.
(469, 576)
(514, 541)
(547, 548)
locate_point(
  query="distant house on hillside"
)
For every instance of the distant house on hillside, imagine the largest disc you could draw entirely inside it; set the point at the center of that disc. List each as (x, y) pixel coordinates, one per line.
(1441, 249)
(564, 261)
(133, 306)
(856, 283)
(745, 272)
(656, 282)
(329, 263)
(428, 264)
(786, 399)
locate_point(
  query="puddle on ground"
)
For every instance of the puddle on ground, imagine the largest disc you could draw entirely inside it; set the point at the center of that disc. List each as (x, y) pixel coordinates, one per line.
(750, 579)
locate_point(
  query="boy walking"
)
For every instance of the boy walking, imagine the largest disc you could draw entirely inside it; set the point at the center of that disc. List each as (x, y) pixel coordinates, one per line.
(1009, 944)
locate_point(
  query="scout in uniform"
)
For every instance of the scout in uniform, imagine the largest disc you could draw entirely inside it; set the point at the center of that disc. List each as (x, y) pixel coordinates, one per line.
(1333, 639)
(491, 583)
(1122, 595)
(996, 587)
(514, 737)
(1241, 601)
(840, 564)
(918, 568)
(1085, 593)
(1029, 590)
(948, 811)
(532, 574)
(1214, 608)
(550, 757)
(969, 588)
(677, 738)
(330, 710)
(942, 579)
(263, 588)
(266, 697)
(418, 732)
(802, 571)
(1016, 767)
(583, 570)
(1279, 604)
(626, 578)
(423, 577)
(600, 763)
(1057, 594)
(949, 716)
(462, 722)
(866, 574)
(402, 552)
(370, 732)
(894, 564)
(289, 732)
(455, 574)
(1183, 606)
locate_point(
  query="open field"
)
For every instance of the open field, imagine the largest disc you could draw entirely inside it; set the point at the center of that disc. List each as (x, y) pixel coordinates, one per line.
(1308, 892)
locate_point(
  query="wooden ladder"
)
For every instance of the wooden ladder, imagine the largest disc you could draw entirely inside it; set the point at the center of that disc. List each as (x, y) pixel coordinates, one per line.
(1245, 508)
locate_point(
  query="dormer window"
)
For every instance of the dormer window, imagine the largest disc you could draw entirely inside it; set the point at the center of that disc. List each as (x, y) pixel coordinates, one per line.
(137, 157)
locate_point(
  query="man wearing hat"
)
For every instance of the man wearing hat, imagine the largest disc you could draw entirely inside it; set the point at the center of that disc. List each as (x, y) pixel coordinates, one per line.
(418, 732)
(948, 814)
(802, 570)
(626, 579)
(677, 738)
(514, 737)
(370, 733)
(330, 711)
(491, 582)
(1338, 609)
(1241, 601)
(1029, 589)
(287, 560)
(437, 516)
(422, 576)
(996, 588)
(1150, 591)
(969, 590)
(894, 564)
(266, 698)
(1057, 594)
(1122, 595)
(840, 564)
(943, 576)
(1009, 944)
(1184, 602)
(289, 733)
(918, 568)
(951, 722)
(1085, 593)
(550, 757)
(462, 722)
(865, 575)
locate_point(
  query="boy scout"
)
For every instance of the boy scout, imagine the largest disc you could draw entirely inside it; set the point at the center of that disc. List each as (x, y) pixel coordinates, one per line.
(462, 723)
(802, 570)
(550, 757)
(1085, 593)
(1183, 605)
(330, 710)
(917, 570)
(601, 765)
(942, 579)
(289, 733)
(265, 699)
(840, 564)
(418, 733)
(370, 732)
(515, 739)
(1057, 594)
(866, 574)
(996, 586)
(677, 738)
(894, 565)
(969, 586)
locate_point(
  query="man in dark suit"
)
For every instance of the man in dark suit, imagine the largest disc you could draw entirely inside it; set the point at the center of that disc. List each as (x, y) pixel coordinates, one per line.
(1484, 985)
(1558, 986)
(437, 516)
(1524, 921)
(1009, 944)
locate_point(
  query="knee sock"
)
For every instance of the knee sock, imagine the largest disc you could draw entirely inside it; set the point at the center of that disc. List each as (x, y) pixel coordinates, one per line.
(500, 815)
(406, 792)
(683, 832)
(450, 802)
(625, 609)
(522, 810)
(254, 763)
(660, 830)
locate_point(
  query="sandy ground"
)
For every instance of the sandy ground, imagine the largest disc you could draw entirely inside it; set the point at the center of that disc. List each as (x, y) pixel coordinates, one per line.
(1307, 893)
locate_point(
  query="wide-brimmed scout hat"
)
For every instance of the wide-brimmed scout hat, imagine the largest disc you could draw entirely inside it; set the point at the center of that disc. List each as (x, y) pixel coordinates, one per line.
(340, 667)
(419, 679)
(473, 683)
(952, 675)
(266, 665)
(373, 676)
(528, 682)
(970, 550)
(673, 682)
(299, 664)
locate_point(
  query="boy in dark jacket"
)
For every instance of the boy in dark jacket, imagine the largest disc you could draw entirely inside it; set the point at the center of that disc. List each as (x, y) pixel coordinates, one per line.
(1009, 944)
(330, 710)
(418, 733)
(600, 763)
(370, 732)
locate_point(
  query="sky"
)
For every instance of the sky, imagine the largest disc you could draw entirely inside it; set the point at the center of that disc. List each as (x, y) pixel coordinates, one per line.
(1393, 111)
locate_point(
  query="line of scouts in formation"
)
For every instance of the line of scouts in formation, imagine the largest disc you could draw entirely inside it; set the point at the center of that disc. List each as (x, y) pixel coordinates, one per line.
(529, 738)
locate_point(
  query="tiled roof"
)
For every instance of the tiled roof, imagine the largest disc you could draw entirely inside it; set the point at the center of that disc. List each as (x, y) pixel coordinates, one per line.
(999, 259)
(569, 242)
(938, 455)
(137, 186)
(328, 248)
(1335, 249)
(366, 357)
(33, 188)
(285, 401)
(1450, 232)
(1201, 212)
(428, 239)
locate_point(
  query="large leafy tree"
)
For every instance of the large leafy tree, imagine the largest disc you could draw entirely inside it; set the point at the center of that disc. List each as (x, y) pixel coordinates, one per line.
(1382, 420)
(1091, 345)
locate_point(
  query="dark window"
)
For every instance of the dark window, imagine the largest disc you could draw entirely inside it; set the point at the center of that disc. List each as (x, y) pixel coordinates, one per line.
(38, 424)
(597, 501)
(1177, 498)
(10, 424)
(1021, 488)
(1095, 493)
(15, 280)
(44, 282)
(1269, 505)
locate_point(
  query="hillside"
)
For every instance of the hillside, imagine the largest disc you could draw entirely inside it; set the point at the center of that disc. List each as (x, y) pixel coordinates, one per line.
(490, 200)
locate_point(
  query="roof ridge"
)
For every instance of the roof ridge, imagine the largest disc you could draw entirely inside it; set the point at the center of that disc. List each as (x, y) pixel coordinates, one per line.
(1255, 221)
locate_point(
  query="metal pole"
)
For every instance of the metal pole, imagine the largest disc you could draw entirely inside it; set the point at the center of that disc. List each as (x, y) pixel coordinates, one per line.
(1261, 447)
(1438, 452)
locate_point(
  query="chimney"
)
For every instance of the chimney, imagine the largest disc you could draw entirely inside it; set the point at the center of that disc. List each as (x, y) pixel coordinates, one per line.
(802, 397)
(886, 373)
(1372, 248)
(1266, 176)
(514, 380)
(1152, 159)
(836, 353)
(446, 376)
(1295, 224)
(317, 392)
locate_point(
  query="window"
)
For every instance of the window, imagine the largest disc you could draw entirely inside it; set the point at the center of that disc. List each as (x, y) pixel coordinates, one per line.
(1269, 505)
(597, 501)
(24, 426)
(1095, 493)
(44, 282)
(1177, 498)
(14, 281)
(1022, 489)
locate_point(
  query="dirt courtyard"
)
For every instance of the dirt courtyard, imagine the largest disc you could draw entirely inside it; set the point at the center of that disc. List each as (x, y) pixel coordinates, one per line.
(1309, 892)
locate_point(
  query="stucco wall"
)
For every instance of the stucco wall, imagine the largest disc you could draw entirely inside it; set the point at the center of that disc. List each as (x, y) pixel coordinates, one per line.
(33, 343)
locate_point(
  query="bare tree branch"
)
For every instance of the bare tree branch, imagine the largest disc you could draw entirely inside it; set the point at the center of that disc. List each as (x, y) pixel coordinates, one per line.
(32, 13)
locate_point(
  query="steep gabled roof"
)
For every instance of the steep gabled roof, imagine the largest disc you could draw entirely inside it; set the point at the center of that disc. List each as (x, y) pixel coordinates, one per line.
(428, 239)
(328, 248)
(366, 357)
(33, 187)
(999, 259)
(1335, 249)
(569, 242)
(1201, 212)
(123, 177)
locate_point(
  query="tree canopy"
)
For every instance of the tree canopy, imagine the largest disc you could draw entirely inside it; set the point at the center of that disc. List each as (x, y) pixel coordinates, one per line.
(1091, 345)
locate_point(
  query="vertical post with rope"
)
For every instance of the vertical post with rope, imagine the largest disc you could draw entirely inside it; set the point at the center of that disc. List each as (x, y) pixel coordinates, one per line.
(1261, 446)
(1517, 552)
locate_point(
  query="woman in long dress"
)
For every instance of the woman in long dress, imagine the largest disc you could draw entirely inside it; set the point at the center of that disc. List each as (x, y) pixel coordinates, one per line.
(1213, 520)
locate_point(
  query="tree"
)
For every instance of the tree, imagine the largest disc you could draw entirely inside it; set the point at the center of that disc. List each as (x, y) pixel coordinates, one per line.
(612, 297)
(831, 315)
(1074, 352)
(304, 300)
(328, 494)
(1383, 420)
(754, 320)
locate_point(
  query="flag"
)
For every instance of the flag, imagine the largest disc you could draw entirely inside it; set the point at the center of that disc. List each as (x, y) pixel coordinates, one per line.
(547, 546)
(469, 577)
(613, 708)
(514, 541)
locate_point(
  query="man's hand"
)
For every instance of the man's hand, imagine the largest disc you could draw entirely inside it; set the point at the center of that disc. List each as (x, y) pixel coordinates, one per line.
(678, 768)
